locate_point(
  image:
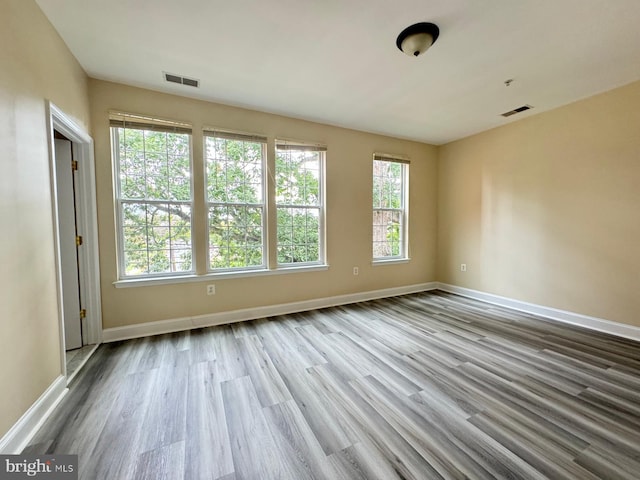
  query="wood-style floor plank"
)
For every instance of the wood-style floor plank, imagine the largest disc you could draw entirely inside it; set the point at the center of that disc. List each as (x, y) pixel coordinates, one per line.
(208, 448)
(255, 452)
(164, 463)
(423, 386)
(269, 386)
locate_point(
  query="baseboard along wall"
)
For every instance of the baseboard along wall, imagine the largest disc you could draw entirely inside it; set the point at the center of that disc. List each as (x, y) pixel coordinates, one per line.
(18, 437)
(592, 323)
(221, 318)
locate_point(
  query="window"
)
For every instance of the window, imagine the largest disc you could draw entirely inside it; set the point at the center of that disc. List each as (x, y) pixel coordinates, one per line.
(158, 212)
(152, 161)
(390, 187)
(299, 203)
(235, 200)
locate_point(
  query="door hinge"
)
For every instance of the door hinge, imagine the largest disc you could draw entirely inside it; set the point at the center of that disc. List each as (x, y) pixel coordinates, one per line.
(74, 165)
(78, 241)
(83, 313)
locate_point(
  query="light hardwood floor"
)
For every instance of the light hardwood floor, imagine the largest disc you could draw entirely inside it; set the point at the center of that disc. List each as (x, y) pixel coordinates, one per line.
(422, 386)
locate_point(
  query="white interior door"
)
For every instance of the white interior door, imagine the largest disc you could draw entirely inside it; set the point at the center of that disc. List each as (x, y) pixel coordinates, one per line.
(67, 245)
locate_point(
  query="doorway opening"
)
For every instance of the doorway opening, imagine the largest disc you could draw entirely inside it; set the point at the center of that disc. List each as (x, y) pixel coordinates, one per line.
(76, 241)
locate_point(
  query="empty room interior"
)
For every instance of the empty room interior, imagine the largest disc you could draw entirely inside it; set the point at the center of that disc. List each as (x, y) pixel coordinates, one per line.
(321, 240)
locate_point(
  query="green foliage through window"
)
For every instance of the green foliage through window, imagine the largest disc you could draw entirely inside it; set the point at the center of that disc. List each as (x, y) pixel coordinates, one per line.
(235, 193)
(388, 209)
(299, 205)
(154, 200)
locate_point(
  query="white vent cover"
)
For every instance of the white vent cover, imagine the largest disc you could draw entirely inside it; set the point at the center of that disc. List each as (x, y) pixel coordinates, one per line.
(170, 77)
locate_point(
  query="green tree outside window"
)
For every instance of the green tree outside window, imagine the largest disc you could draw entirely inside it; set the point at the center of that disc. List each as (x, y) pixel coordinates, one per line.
(154, 201)
(235, 193)
(299, 205)
(388, 209)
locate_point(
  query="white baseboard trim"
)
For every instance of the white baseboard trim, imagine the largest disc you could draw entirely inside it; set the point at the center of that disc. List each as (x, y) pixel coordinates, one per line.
(592, 323)
(18, 437)
(188, 323)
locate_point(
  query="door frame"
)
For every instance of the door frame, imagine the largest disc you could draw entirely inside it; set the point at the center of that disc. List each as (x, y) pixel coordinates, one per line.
(87, 223)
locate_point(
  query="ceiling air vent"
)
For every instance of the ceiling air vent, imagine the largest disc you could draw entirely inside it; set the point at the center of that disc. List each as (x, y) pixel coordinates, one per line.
(517, 110)
(170, 77)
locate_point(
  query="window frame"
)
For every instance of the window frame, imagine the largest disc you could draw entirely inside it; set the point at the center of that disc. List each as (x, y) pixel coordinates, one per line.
(284, 145)
(403, 255)
(119, 120)
(209, 132)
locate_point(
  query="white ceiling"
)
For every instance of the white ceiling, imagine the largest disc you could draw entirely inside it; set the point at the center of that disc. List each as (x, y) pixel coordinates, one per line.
(336, 62)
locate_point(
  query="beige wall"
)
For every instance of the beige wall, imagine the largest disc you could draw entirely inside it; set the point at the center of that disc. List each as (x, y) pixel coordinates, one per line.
(547, 209)
(34, 65)
(349, 214)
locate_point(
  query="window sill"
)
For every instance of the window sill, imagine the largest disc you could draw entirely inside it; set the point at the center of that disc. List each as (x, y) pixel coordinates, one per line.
(146, 282)
(390, 261)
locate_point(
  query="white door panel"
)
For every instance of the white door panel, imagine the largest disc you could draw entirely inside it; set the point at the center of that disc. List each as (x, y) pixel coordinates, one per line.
(68, 248)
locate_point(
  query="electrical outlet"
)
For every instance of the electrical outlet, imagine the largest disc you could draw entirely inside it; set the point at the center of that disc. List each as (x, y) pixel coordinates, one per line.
(356, 270)
(463, 267)
(211, 289)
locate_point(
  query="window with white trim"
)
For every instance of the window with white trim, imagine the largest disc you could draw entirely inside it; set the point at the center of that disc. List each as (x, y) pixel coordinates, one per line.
(299, 183)
(235, 165)
(154, 197)
(390, 219)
